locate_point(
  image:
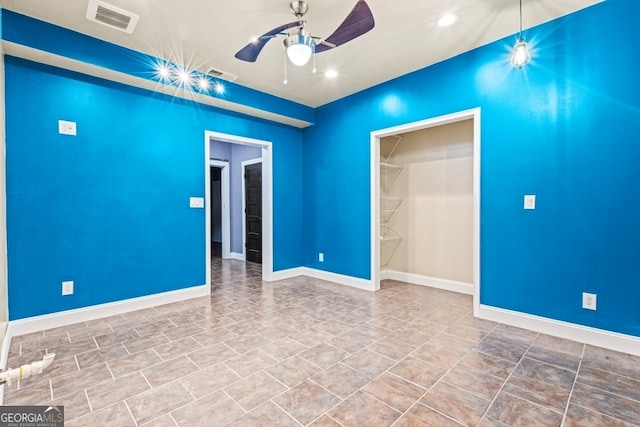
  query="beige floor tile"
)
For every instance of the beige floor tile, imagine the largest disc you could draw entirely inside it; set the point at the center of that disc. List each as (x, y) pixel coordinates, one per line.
(101, 355)
(478, 383)
(611, 361)
(293, 371)
(394, 391)
(513, 411)
(173, 349)
(158, 401)
(250, 362)
(212, 355)
(284, 348)
(616, 384)
(418, 372)
(140, 344)
(439, 356)
(163, 421)
(341, 380)
(559, 344)
(456, 403)
(307, 401)
(255, 390)
(113, 391)
(113, 416)
(37, 392)
(246, 342)
(391, 348)
(363, 410)
(325, 421)
(135, 362)
(76, 381)
(265, 415)
(512, 352)
(214, 336)
(369, 363)
(495, 366)
(422, 416)
(606, 403)
(323, 355)
(214, 409)
(577, 416)
(209, 380)
(170, 370)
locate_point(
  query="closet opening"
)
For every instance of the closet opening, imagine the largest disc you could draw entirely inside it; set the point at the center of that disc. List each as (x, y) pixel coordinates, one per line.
(425, 203)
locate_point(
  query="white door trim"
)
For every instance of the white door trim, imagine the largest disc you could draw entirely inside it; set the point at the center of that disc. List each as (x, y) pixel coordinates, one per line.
(244, 205)
(474, 114)
(224, 195)
(267, 198)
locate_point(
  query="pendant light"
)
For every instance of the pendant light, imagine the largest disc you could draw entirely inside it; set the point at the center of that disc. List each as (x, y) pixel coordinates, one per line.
(520, 56)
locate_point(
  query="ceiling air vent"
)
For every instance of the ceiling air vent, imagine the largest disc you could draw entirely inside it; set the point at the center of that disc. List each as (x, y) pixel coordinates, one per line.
(222, 75)
(112, 16)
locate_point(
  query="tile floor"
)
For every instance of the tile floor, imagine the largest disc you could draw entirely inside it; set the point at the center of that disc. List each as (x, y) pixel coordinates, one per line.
(308, 352)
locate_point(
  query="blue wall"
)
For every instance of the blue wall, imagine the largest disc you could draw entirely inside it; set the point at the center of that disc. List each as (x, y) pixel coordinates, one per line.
(566, 128)
(109, 208)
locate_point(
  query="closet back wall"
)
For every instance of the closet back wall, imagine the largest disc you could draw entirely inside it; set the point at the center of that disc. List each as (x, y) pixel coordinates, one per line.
(435, 219)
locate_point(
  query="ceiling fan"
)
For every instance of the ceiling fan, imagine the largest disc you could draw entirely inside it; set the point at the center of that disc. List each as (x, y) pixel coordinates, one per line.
(299, 45)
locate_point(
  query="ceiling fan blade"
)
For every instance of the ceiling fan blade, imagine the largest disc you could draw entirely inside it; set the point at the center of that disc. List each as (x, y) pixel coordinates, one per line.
(359, 21)
(251, 51)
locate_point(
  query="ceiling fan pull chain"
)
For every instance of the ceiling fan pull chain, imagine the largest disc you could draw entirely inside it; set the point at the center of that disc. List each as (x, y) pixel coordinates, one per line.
(285, 67)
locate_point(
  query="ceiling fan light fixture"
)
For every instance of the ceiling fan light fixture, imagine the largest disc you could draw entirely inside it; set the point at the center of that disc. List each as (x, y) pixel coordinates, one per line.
(299, 48)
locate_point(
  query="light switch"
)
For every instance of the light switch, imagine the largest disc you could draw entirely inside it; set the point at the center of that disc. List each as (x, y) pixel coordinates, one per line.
(530, 201)
(196, 202)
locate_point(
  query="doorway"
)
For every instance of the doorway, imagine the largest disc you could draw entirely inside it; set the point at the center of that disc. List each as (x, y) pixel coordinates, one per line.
(376, 216)
(219, 214)
(266, 243)
(252, 208)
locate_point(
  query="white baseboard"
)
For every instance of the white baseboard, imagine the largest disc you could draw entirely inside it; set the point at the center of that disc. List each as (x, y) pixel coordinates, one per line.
(68, 317)
(432, 282)
(237, 256)
(341, 279)
(286, 274)
(597, 337)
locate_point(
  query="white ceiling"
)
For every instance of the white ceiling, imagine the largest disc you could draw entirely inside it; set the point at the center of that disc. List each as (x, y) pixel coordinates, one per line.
(206, 34)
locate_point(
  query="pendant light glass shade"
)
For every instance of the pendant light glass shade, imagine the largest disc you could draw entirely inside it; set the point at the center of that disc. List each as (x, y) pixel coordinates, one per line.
(520, 56)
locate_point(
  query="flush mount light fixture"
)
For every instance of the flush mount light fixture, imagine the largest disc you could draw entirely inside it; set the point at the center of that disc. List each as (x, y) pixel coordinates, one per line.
(447, 19)
(520, 56)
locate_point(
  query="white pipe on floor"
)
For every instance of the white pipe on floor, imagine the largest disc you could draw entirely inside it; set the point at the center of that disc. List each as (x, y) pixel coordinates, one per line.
(26, 371)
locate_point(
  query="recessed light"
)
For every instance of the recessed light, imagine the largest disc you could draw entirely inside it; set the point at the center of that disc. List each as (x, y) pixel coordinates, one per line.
(253, 39)
(447, 19)
(203, 83)
(331, 74)
(219, 88)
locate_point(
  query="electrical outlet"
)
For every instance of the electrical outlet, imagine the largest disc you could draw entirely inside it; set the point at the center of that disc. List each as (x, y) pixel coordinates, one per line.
(67, 287)
(589, 301)
(66, 128)
(321, 257)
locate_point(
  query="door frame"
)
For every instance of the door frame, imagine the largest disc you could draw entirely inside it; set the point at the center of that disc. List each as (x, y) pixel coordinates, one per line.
(474, 114)
(224, 196)
(267, 197)
(244, 205)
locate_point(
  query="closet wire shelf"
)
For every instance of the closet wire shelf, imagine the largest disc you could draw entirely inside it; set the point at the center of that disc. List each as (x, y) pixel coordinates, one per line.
(389, 242)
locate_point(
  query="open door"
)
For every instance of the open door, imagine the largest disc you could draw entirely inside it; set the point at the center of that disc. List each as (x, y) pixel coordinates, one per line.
(253, 212)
